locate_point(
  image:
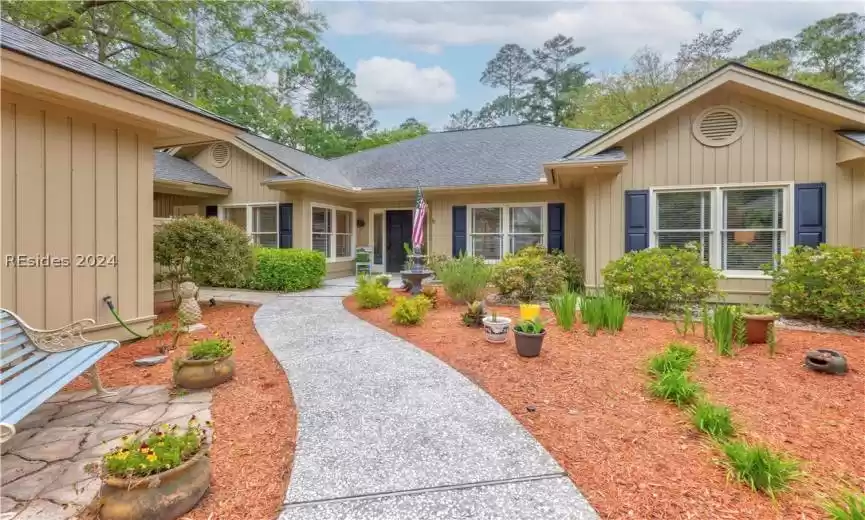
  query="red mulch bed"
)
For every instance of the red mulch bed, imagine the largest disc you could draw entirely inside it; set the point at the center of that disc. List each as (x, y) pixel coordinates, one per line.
(254, 416)
(636, 457)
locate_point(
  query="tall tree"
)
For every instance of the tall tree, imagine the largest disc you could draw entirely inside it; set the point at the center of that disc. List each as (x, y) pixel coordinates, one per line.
(510, 68)
(835, 47)
(704, 53)
(558, 73)
(462, 120)
(332, 101)
(499, 111)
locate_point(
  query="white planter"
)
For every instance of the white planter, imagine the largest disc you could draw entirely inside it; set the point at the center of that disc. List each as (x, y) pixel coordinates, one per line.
(496, 331)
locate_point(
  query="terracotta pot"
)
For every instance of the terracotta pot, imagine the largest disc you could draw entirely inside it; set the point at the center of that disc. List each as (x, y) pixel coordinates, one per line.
(757, 327)
(529, 345)
(203, 373)
(164, 496)
(496, 331)
(744, 237)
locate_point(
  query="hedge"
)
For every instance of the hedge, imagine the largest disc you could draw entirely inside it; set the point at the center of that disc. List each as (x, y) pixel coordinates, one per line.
(287, 269)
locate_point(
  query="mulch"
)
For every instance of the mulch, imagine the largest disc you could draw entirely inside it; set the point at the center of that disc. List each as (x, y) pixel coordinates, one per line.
(254, 415)
(635, 457)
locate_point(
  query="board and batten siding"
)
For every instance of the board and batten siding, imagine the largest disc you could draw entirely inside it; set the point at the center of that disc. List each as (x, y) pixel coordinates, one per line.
(777, 146)
(75, 185)
(164, 204)
(244, 173)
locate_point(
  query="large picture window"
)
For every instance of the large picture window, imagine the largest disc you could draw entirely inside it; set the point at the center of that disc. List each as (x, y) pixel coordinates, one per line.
(499, 229)
(333, 232)
(259, 221)
(737, 229)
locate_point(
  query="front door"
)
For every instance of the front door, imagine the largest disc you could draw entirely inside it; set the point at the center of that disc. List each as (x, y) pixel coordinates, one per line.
(398, 232)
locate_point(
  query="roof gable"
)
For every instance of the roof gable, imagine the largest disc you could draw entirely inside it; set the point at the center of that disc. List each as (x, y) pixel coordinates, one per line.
(166, 167)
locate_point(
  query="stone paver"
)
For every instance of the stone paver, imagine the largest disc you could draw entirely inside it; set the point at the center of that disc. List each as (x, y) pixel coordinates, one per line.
(44, 475)
(387, 431)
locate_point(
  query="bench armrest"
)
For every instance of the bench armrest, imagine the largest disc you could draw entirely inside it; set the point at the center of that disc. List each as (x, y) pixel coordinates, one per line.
(60, 339)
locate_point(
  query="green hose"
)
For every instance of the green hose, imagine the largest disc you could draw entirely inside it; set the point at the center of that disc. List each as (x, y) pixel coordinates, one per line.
(110, 304)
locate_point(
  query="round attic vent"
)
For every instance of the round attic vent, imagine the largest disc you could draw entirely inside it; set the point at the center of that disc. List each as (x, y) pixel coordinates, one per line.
(718, 126)
(220, 154)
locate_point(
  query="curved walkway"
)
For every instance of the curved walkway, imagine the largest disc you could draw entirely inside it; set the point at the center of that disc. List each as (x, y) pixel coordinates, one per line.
(387, 431)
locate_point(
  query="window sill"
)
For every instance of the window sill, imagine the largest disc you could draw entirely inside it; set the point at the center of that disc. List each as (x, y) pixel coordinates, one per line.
(340, 259)
(746, 275)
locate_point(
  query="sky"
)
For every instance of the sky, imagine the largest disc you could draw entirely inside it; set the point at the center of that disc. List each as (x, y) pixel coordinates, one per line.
(424, 59)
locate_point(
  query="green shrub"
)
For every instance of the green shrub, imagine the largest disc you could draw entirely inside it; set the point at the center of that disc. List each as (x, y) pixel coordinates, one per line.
(287, 269)
(564, 306)
(213, 348)
(675, 387)
(826, 284)
(603, 312)
(370, 294)
(431, 294)
(661, 279)
(529, 275)
(207, 251)
(713, 420)
(474, 314)
(849, 505)
(383, 280)
(676, 358)
(572, 269)
(759, 467)
(726, 328)
(410, 311)
(464, 278)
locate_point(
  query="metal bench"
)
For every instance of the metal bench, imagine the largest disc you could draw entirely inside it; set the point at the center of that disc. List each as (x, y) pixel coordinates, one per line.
(36, 364)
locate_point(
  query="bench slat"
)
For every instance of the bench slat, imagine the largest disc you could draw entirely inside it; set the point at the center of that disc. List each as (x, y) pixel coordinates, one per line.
(7, 322)
(6, 375)
(7, 334)
(13, 343)
(9, 357)
(4, 315)
(11, 387)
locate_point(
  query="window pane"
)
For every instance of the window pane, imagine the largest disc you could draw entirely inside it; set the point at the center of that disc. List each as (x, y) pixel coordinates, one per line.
(520, 241)
(486, 220)
(236, 216)
(321, 242)
(488, 247)
(749, 250)
(681, 239)
(377, 238)
(684, 210)
(526, 220)
(266, 239)
(264, 219)
(343, 221)
(321, 220)
(754, 209)
(343, 245)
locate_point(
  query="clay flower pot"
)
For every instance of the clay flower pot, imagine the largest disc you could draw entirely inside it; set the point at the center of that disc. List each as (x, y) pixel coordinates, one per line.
(163, 496)
(496, 328)
(744, 237)
(529, 345)
(203, 373)
(757, 327)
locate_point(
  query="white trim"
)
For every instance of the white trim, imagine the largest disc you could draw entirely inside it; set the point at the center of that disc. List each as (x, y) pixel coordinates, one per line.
(333, 233)
(220, 212)
(506, 233)
(372, 211)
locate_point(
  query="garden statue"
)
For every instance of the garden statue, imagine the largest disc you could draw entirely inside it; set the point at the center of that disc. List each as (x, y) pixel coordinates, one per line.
(826, 360)
(189, 313)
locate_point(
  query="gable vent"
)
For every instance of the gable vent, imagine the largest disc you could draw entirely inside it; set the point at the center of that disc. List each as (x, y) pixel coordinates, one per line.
(220, 154)
(718, 126)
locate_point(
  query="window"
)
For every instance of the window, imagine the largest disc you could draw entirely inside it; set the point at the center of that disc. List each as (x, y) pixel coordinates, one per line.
(260, 221)
(737, 229)
(497, 230)
(333, 232)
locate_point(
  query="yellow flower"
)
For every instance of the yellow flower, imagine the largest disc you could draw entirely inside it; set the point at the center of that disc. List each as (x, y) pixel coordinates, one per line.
(121, 456)
(151, 457)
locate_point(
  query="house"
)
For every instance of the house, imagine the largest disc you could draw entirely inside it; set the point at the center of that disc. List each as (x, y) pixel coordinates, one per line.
(76, 198)
(741, 162)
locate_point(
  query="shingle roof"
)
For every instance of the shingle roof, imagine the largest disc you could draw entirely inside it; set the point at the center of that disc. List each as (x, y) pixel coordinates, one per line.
(31, 44)
(610, 154)
(166, 167)
(301, 162)
(859, 137)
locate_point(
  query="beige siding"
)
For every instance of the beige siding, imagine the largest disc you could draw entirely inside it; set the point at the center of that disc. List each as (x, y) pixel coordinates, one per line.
(75, 185)
(777, 146)
(244, 173)
(164, 204)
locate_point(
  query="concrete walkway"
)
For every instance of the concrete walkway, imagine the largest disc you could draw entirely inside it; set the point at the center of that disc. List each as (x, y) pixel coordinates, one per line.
(387, 431)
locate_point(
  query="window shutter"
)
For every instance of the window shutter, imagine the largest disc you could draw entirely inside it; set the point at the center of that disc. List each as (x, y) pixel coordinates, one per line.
(636, 220)
(556, 226)
(211, 211)
(458, 221)
(286, 236)
(810, 214)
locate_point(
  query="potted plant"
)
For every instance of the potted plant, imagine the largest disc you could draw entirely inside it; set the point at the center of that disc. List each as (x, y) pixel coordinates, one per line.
(529, 336)
(496, 328)
(209, 363)
(758, 319)
(157, 476)
(474, 314)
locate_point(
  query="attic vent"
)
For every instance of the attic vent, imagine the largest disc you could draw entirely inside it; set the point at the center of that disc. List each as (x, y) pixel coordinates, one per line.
(718, 126)
(220, 154)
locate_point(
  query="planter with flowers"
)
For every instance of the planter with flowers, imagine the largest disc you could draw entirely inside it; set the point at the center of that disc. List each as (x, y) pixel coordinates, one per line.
(496, 328)
(758, 321)
(209, 363)
(529, 336)
(159, 475)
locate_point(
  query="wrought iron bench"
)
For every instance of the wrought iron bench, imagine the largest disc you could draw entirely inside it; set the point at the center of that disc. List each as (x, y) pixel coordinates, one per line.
(36, 364)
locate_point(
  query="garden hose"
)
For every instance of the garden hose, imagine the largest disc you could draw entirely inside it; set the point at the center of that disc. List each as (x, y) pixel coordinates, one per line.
(110, 305)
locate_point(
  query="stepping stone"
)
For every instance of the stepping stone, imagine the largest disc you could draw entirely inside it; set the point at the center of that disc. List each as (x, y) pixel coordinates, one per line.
(106, 433)
(15, 467)
(149, 361)
(53, 451)
(147, 417)
(75, 472)
(162, 396)
(79, 494)
(179, 410)
(195, 327)
(85, 418)
(17, 441)
(38, 417)
(29, 487)
(77, 407)
(44, 510)
(119, 413)
(141, 390)
(9, 507)
(192, 396)
(49, 435)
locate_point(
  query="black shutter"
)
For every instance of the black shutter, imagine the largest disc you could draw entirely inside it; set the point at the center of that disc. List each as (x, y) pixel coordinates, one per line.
(810, 212)
(286, 235)
(459, 230)
(636, 220)
(556, 226)
(211, 211)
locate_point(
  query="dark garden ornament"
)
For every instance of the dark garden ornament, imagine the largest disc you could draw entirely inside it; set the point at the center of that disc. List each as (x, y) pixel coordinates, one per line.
(826, 360)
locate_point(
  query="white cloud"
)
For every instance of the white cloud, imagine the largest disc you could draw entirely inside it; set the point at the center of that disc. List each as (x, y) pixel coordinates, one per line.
(393, 83)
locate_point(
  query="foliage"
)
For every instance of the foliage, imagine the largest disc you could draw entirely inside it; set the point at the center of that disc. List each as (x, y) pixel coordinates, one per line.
(726, 328)
(757, 310)
(207, 251)
(759, 467)
(464, 278)
(661, 278)
(383, 280)
(532, 274)
(848, 505)
(564, 306)
(825, 284)
(410, 311)
(474, 314)
(164, 448)
(572, 268)
(287, 269)
(436, 261)
(677, 357)
(603, 312)
(557, 73)
(713, 420)
(532, 326)
(370, 294)
(675, 387)
(688, 325)
(705, 53)
(213, 348)
(510, 69)
(431, 294)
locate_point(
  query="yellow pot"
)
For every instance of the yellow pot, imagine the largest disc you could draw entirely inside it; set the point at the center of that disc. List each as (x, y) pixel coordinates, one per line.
(529, 311)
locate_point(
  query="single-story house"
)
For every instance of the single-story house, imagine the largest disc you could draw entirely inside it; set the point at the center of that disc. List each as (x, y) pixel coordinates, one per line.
(741, 162)
(76, 199)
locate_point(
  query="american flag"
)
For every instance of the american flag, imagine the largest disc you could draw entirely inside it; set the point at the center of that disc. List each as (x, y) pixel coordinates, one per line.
(419, 219)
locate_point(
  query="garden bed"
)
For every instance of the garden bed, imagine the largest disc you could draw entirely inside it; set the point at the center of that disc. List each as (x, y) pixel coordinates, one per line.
(637, 457)
(254, 415)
